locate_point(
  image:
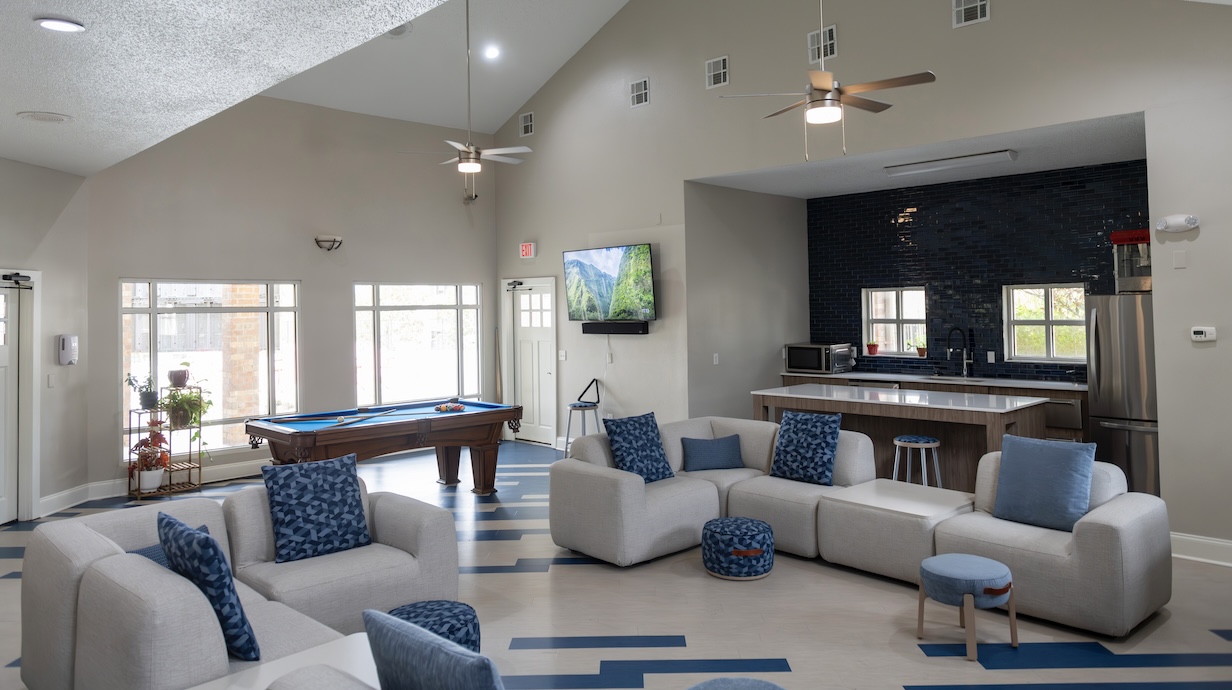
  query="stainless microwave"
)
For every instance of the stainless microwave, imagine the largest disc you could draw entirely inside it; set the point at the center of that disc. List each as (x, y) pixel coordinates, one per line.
(812, 358)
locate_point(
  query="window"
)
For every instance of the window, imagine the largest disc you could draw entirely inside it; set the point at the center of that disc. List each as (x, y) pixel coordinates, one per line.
(822, 43)
(416, 342)
(894, 319)
(1045, 322)
(239, 341)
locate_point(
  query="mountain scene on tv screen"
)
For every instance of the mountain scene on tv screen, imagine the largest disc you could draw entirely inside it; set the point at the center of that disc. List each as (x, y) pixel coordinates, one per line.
(595, 294)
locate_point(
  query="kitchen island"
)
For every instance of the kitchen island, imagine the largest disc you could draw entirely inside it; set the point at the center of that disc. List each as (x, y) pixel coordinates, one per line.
(967, 424)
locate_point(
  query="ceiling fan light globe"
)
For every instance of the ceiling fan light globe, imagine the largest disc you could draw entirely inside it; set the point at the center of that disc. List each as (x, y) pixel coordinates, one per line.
(823, 112)
(469, 167)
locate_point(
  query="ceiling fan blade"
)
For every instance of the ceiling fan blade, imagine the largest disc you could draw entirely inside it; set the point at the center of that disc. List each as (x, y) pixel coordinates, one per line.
(759, 95)
(501, 159)
(458, 146)
(797, 104)
(909, 80)
(821, 81)
(451, 160)
(508, 149)
(863, 103)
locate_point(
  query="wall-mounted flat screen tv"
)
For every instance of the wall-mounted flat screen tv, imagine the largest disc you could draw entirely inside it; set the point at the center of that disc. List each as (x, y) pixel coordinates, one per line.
(610, 284)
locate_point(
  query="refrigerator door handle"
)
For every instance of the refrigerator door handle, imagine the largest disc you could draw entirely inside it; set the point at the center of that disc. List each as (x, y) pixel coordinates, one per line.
(1093, 339)
(1130, 427)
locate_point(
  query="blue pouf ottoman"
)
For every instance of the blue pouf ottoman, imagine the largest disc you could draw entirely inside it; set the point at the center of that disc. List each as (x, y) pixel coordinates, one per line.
(737, 548)
(970, 583)
(452, 620)
(736, 684)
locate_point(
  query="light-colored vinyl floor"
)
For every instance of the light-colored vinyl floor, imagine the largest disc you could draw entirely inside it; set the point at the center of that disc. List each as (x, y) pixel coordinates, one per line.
(667, 624)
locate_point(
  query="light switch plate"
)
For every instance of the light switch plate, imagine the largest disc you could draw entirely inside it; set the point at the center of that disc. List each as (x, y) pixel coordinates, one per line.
(1180, 259)
(561, 355)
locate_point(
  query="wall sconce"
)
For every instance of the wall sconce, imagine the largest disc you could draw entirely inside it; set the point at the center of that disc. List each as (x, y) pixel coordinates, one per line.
(1177, 222)
(328, 242)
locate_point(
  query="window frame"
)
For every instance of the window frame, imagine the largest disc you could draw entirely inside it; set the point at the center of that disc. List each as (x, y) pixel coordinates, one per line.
(1008, 322)
(459, 306)
(152, 312)
(867, 321)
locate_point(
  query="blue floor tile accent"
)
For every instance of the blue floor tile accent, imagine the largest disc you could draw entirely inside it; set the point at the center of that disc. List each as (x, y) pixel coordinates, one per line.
(15, 575)
(12, 552)
(598, 642)
(113, 502)
(1162, 685)
(499, 534)
(630, 674)
(15, 663)
(65, 514)
(527, 565)
(1225, 634)
(28, 526)
(531, 513)
(1041, 655)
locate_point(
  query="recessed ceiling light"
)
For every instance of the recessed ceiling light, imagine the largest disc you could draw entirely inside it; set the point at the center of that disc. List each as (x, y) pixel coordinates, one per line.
(491, 52)
(44, 117)
(62, 25)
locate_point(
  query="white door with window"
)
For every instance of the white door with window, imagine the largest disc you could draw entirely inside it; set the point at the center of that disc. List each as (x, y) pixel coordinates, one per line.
(534, 359)
(8, 405)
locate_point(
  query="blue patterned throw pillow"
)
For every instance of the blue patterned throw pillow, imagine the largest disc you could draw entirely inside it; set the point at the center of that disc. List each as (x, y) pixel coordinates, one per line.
(712, 453)
(410, 658)
(155, 552)
(806, 447)
(637, 447)
(198, 557)
(316, 508)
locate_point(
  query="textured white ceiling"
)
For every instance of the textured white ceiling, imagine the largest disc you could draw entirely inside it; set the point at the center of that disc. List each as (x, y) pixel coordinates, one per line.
(147, 69)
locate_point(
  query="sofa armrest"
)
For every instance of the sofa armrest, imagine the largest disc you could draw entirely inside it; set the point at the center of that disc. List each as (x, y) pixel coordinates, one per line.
(592, 509)
(853, 460)
(135, 622)
(757, 439)
(421, 529)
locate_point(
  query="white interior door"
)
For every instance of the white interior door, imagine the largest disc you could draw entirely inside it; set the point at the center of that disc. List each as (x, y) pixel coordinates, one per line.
(534, 359)
(8, 405)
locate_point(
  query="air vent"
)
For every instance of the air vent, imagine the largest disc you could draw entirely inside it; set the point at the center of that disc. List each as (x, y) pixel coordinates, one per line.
(716, 72)
(639, 93)
(45, 118)
(399, 31)
(970, 12)
(825, 40)
(527, 124)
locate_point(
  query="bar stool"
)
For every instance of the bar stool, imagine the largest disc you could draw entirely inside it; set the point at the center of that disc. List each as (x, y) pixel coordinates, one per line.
(582, 407)
(923, 443)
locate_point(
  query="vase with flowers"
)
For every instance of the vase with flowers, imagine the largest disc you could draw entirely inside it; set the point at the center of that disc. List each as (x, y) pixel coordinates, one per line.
(151, 455)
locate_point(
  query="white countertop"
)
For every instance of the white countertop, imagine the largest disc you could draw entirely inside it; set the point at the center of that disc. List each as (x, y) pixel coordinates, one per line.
(970, 402)
(959, 380)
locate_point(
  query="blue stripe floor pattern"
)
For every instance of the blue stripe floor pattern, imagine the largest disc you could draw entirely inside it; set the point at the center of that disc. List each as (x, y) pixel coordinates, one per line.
(1225, 634)
(12, 552)
(527, 565)
(631, 673)
(530, 513)
(1160, 685)
(27, 526)
(15, 663)
(499, 534)
(1051, 655)
(15, 575)
(598, 642)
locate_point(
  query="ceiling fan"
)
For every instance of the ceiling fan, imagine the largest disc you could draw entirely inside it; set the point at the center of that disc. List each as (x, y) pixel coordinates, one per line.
(824, 97)
(469, 155)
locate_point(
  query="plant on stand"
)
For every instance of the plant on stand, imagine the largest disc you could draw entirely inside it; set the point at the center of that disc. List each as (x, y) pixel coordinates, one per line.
(145, 390)
(152, 456)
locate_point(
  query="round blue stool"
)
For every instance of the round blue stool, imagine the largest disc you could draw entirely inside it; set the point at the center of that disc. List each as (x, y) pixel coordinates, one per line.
(452, 620)
(970, 583)
(736, 684)
(922, 443)
(737, 548)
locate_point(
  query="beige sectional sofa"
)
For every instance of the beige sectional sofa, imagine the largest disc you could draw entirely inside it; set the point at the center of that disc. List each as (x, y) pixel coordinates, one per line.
(94, 616)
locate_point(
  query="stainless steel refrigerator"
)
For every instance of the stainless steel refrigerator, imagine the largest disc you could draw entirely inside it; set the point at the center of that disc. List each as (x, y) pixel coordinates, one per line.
(1121, 386)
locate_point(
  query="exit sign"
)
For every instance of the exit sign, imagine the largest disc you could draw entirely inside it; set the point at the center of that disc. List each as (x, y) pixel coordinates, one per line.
(528, 250)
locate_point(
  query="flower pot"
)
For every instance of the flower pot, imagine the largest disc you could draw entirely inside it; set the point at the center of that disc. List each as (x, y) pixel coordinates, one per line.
(923, 351)
(149, 399)
(871, 348)
(178, 378)
(178, 418)
(149, 481)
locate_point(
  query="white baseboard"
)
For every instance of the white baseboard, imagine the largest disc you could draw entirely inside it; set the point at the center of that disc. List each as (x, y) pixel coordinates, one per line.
(119, 487)
(1206, 549)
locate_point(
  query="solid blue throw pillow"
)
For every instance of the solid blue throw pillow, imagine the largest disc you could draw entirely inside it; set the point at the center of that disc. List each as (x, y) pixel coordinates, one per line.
(410, 658)
(806, 447)
(637, 447)
(155, 552)
(198, 557)
(712, 453)
(316, 508)
(1044, 483)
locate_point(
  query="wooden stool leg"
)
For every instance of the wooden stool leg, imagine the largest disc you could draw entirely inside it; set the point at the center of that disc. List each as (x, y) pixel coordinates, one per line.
(919, 623)
(1013, 620)
(969, 609)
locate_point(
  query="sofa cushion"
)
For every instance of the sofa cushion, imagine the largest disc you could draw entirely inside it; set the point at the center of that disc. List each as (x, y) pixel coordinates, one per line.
(637, 447)
(1044, 483)
(196, 556)
(806, 447)
(316, 508)
(410, 658)
(712, 453)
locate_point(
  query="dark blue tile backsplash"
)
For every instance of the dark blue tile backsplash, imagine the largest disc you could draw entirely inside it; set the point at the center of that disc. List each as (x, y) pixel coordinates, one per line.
(964, 241)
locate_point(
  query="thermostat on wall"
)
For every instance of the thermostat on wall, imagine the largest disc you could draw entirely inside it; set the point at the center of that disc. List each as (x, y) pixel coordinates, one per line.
(1202, 334)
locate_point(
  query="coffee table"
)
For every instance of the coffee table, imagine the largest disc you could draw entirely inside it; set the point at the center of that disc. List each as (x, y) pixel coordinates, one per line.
(885, 526)
(350, 654)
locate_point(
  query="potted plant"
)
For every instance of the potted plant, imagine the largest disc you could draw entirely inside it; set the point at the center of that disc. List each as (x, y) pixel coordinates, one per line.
(178, 377)
(185, 407)
(871, 347)
(152, 455)
(145, 390)
(921, 347)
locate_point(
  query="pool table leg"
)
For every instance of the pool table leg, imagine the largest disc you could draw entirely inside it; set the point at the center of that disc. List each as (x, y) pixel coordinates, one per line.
(483, 467)
(447, 464)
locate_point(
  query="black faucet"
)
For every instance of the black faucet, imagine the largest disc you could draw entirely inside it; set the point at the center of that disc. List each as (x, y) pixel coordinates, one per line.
(962, 338)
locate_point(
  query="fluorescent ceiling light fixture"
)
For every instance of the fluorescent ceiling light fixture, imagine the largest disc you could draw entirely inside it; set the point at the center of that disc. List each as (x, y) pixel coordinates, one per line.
(491, 52)
(1003, 156)
(63, 25)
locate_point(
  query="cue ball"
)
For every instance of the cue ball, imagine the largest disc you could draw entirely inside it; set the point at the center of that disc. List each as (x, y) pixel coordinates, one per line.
(341, 420)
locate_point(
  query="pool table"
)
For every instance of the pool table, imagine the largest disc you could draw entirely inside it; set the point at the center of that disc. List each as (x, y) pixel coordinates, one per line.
(372, 431)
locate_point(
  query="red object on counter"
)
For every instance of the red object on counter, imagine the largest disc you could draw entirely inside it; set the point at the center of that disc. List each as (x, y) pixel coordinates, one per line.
(1130, 236)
